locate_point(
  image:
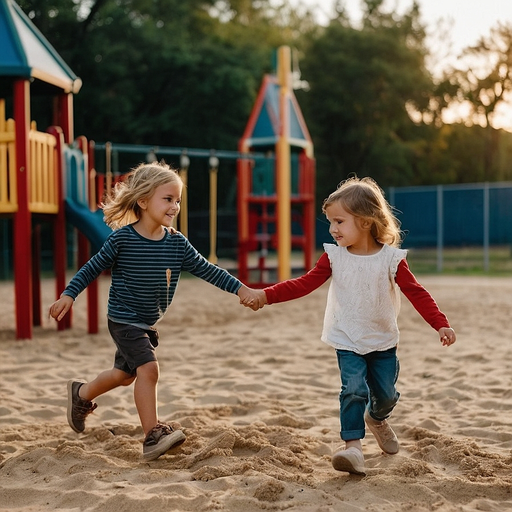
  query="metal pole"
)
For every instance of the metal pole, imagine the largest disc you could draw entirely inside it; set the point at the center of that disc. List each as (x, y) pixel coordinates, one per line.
(486, 226)
(214, 166)
(283, 170)
(108, 168)
(440, 223)
(184, 165)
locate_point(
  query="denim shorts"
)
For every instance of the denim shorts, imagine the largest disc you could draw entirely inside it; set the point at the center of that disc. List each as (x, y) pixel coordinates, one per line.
(135, 346)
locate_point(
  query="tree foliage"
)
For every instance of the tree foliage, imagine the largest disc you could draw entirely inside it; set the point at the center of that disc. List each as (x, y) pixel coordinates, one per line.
(484, 82)
(363, 81)
(164, 72)
(186, 73)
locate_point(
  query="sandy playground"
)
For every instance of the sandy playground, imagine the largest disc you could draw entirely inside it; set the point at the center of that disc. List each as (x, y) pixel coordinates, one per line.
(257, 395)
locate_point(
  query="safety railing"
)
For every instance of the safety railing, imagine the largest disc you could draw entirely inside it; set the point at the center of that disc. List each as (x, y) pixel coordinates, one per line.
(43, 169)
(43, 194)
(8, 192)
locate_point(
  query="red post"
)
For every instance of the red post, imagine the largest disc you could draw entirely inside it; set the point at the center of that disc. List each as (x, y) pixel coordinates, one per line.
(65, 116)
(59, 235)
(243, 191)
(22, 218)
(95, 192)
(36, 274)
(84, 248)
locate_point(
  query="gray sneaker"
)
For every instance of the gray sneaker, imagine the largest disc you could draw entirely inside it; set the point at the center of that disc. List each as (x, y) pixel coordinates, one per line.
(161, 439)
(78, 408)
(383, 434)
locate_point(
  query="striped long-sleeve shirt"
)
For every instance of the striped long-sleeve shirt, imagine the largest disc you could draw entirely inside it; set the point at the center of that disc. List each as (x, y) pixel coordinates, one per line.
(145, 274)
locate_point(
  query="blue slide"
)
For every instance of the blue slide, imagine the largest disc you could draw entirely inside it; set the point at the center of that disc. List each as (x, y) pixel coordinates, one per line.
(78, 212)
(90, 223)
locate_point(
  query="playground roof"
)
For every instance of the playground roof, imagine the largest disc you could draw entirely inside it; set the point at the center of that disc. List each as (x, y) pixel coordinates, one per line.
(264, 122)
(26, 53)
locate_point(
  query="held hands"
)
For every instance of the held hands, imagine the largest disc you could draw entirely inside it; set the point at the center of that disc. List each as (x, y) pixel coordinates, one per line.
(447, 336)
(251, 298)
(59, 308)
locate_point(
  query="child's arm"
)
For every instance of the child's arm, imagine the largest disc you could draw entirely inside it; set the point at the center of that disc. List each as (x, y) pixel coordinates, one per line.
(424, 303)
(200, 267)
(300, 286)
(292, 288)
(101, 261)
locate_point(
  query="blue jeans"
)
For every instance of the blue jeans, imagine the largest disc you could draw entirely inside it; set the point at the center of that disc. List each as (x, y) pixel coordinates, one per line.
(367, 381)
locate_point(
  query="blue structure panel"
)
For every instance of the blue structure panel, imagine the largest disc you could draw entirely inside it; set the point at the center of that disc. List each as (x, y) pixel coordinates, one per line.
(296, 131)
(25, 52)
(12, 60)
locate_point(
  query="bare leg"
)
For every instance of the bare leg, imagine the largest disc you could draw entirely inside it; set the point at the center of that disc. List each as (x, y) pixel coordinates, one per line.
(145, 395)
(354, 442)
(350, 459)
(105, 381)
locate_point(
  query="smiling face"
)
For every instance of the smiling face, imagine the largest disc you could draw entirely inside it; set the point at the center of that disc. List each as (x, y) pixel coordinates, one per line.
(163, 206)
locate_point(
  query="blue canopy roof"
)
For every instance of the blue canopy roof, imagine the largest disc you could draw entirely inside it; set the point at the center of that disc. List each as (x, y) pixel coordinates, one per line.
(26, 53)
(264, 123)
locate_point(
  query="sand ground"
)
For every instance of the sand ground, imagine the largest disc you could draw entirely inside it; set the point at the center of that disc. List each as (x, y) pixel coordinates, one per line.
(257, 395)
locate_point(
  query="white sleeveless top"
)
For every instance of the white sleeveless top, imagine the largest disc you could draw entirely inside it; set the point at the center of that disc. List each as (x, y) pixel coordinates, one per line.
(363, 300)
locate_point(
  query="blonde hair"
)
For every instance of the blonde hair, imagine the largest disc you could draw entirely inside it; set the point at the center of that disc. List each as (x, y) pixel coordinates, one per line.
(363, 198)
(121, 208)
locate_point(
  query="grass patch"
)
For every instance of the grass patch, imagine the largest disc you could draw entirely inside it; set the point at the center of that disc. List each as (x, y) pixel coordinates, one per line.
(462, 260)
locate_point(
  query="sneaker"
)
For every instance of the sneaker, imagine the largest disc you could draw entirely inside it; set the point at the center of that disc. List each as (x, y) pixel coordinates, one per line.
(350, 460)
(383, 434)
(160, 439)
(78, 408)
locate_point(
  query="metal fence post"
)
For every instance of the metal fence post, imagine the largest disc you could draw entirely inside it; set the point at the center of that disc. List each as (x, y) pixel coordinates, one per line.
(486, 226)
(440, 225)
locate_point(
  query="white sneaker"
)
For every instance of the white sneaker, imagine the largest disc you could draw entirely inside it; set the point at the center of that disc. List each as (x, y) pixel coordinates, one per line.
(383, 434)
(350, 460)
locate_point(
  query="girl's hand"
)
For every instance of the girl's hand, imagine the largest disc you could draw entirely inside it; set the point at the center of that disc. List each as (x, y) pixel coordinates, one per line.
(59, 308)
(257, 300)
(447, 336)
(251, 298)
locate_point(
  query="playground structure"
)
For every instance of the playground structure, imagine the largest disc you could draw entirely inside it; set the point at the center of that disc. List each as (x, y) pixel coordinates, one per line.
(275, 182)
(40, 172)
(50, 176)
(270, 198)
(58, 188)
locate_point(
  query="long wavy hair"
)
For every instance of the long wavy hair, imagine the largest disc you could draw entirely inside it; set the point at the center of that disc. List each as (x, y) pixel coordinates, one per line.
(363, 198)
(121, 208)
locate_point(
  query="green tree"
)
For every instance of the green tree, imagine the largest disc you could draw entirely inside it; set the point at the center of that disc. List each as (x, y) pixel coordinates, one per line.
(484, 83)
(166, 72)
(363, 84)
